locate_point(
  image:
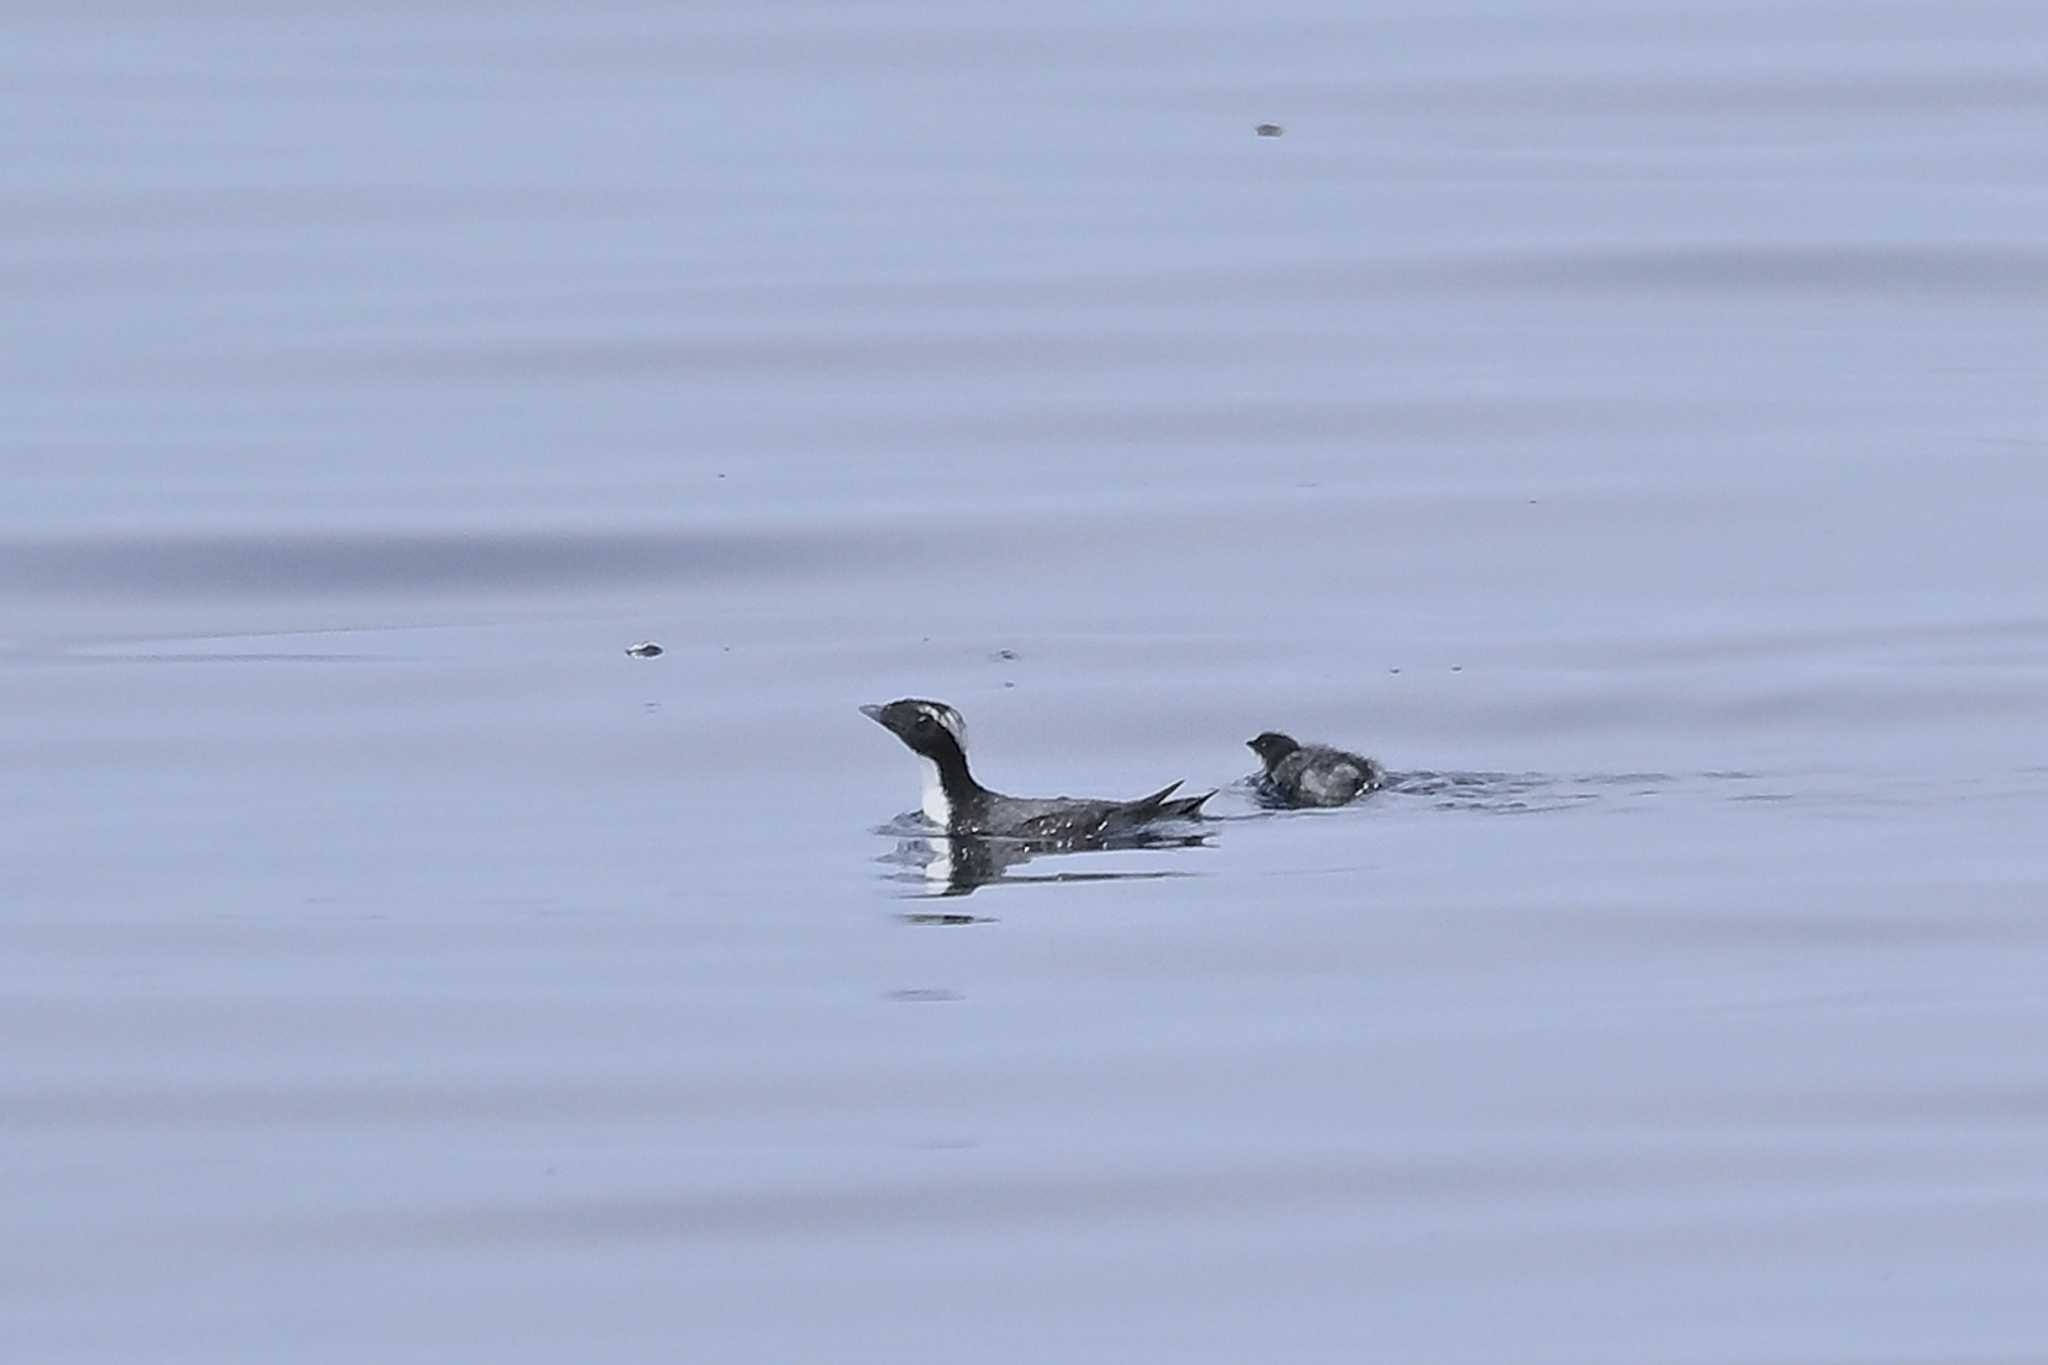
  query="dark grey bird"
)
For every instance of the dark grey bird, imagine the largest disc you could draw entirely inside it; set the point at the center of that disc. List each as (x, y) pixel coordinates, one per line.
(1297, 774)
(957, 803)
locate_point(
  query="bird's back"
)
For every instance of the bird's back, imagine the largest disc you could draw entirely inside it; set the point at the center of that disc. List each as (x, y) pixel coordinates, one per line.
(1067, 817)
(1317, 775)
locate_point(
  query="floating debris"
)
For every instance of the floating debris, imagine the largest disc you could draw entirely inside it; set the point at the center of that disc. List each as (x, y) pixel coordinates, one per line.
(646, 649)
(925, 996)
(1003, 655)
(1269, 130)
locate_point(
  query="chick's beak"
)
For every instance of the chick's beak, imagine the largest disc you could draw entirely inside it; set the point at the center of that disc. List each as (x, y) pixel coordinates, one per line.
(872, 712)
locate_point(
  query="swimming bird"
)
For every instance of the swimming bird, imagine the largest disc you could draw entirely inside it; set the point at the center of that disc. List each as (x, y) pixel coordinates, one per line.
(1297, 774)
(960, 805)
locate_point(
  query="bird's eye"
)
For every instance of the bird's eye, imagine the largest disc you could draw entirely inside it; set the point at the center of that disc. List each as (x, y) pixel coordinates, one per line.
(924, 722)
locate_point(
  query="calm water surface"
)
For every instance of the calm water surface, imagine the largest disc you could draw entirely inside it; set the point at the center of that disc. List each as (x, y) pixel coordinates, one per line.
(1626, 422)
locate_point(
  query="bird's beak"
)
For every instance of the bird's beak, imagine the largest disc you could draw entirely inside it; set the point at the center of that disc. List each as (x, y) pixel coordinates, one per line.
(873, 713)
(1252, 744)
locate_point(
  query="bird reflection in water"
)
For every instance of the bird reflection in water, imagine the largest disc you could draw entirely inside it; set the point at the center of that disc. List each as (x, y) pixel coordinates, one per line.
(958, 864)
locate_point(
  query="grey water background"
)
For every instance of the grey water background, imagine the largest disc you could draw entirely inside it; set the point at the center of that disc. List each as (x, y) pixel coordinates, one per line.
(1627, 421)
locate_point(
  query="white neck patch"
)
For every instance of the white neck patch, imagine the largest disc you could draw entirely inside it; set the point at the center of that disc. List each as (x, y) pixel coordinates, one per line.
(936, 807)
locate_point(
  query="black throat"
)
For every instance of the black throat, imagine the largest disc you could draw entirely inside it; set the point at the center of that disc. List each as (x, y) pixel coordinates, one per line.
(963, 793)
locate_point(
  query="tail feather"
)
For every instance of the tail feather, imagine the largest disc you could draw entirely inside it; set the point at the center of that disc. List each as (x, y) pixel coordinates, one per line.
(1158, 804)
